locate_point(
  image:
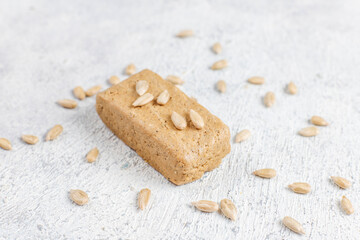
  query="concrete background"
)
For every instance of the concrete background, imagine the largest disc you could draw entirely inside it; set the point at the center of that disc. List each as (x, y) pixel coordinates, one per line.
(49, 47)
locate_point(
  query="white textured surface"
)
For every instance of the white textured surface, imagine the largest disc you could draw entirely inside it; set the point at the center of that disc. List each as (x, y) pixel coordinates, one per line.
(49, 47)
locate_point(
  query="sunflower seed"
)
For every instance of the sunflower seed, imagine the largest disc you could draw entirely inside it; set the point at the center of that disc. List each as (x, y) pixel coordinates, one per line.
(113, 80)
(5, 144)
(291, 88)
(79, 93)
(185, 33)
(221, 86)
(265, 173)
(347, 205)
(54, 132)
(219, 65)
(300, 187)
(206, 206)
(141, 87)
(228, 209)
(92, 155)
(174, 79)
(318, 121)
(256, 80)
(196, 119)
(30, 139)
(142, 100)
(79, 197)
(93, 90)
(130, 69)
(341, 182)
(143, 198)
(309, 131)
(242, 135)
(293, 225)
(178, 121)
(68, 103)
(269, 99)
(217, 48)
(163, 98)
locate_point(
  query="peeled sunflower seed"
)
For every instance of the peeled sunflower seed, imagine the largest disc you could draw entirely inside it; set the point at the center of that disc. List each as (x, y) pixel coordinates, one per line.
(242, 135)
(347, 205)
(219, 65)
(291, 88)
(185, 33)
(130, 69)
(217, 48)
(256, 80)
(79, 197)
(293, 225)
(5, 144)
(30, 139)
(269, 99)
(228, 209)
(163, 98)
(141, 87)
(178, 121)
(143, 198)
(341, 182)
(300, 187)
(92, 155)
(54, 132)
(206, 206)
(93, 90)
(174, 79)
(318, 121)
(79, 93)
(113, 80)
(196, 119)
(265, 173)
(68, 103)
(142, 100)
(309, 131)
(221, 86)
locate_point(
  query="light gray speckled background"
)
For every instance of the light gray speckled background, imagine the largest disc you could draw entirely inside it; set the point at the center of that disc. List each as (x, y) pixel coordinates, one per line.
(49, 47)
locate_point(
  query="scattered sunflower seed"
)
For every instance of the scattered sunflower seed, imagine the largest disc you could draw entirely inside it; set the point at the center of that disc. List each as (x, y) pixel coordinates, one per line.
(54, 132)
(217, 48)
(242, 135)
(196, 119)
(185, 33)
(318, 121)
(347, 205)
(300, 187)
(68, 103)
(221, 86)
(309, 131)
(206, 206)
(178, 121)
(141, 87)
(92, 155)
(93, 90)
(228, 209)
(5, 144)
(269, 99)
(30, 139)
(130, 69)
(174, 80)
(143, 198)
(265, 173)
(79, 197)
(219, 65)
(341, 182)
(79, 93)
(163, 98)
(113, 80)
(293, 225)
(142, 100)
(256, 80)
(291, 88)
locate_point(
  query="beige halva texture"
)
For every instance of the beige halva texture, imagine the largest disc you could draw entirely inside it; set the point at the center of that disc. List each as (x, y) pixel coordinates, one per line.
(182, 156)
